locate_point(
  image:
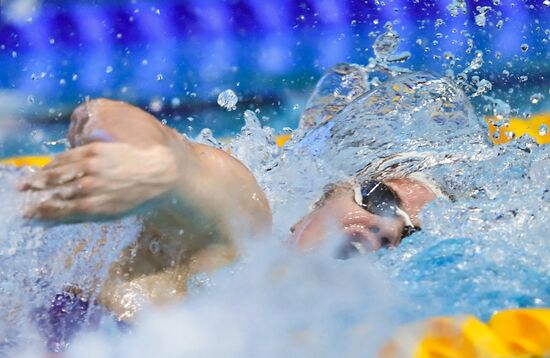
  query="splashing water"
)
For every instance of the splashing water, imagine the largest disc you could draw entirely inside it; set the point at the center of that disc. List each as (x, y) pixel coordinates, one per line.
(36, 264)
(456, 7)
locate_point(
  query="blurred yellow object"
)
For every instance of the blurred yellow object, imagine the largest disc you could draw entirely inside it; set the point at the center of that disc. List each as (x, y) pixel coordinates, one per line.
(537, 127)
(446, 337)
(37, 161)
(509, 334)
(281, 139)
(526, 332)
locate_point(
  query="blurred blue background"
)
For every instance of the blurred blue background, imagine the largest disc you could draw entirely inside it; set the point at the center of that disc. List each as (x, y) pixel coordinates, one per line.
(174, 57)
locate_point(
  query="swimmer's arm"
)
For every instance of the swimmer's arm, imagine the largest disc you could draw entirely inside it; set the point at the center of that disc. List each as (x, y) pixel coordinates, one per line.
(125, 159)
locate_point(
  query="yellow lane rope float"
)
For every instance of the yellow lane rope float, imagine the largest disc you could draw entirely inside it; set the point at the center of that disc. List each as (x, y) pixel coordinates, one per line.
(36, 161)
(537, 127)
(511, 333)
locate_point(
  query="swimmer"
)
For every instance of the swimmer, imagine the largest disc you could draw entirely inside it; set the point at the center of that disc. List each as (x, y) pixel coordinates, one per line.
(196, 202)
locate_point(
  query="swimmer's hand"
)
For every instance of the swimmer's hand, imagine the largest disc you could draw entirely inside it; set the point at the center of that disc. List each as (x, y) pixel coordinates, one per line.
(124, 159)
(101, 181)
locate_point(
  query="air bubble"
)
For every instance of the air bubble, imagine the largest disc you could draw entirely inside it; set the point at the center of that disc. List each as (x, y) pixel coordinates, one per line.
(228, 100)
(109, 69)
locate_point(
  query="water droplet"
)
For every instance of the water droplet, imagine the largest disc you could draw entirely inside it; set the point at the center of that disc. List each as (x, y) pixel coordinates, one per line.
(52, 41)
(155, 105)
(375, 21)
(74, 77)
(109, 69)
(546, 2)
(385, 44)
(13, 54)
(160, 77)
(30, 99)
(154, 246)
(477, 62)
(500, 23)
(523, 78)
(496, 2)
(62, 82)
(524, 47)
(37, 136)
(176, 102)
(480, 18)
(457, 6)
(228, 100)
(296, 107)
(536, 98)
(483, 86)
(543, 130)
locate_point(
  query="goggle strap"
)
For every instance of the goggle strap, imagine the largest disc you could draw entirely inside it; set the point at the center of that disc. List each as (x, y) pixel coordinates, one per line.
(403, 215)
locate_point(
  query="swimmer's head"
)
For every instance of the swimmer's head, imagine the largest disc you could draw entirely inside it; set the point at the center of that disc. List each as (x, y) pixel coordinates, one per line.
(369, 214)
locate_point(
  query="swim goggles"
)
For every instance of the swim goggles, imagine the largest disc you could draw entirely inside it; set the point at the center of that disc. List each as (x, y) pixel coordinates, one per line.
(379, 199)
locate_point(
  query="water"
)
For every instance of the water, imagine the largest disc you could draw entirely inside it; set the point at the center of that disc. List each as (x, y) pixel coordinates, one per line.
(482, 248)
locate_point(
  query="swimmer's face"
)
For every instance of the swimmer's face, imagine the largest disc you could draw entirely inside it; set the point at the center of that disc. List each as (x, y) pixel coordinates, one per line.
(362, 230)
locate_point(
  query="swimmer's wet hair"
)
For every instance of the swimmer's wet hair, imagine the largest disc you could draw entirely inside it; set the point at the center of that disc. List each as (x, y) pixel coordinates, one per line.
(331, 189)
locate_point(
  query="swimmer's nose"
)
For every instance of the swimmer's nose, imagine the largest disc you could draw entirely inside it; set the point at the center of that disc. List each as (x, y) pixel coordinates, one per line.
(368, 233)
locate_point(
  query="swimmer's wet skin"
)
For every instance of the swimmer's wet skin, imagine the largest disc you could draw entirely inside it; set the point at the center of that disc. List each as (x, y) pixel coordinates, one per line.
(123, 159)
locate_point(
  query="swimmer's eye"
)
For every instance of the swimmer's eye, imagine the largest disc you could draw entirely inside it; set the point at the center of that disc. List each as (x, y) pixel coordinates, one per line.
(377, 198)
